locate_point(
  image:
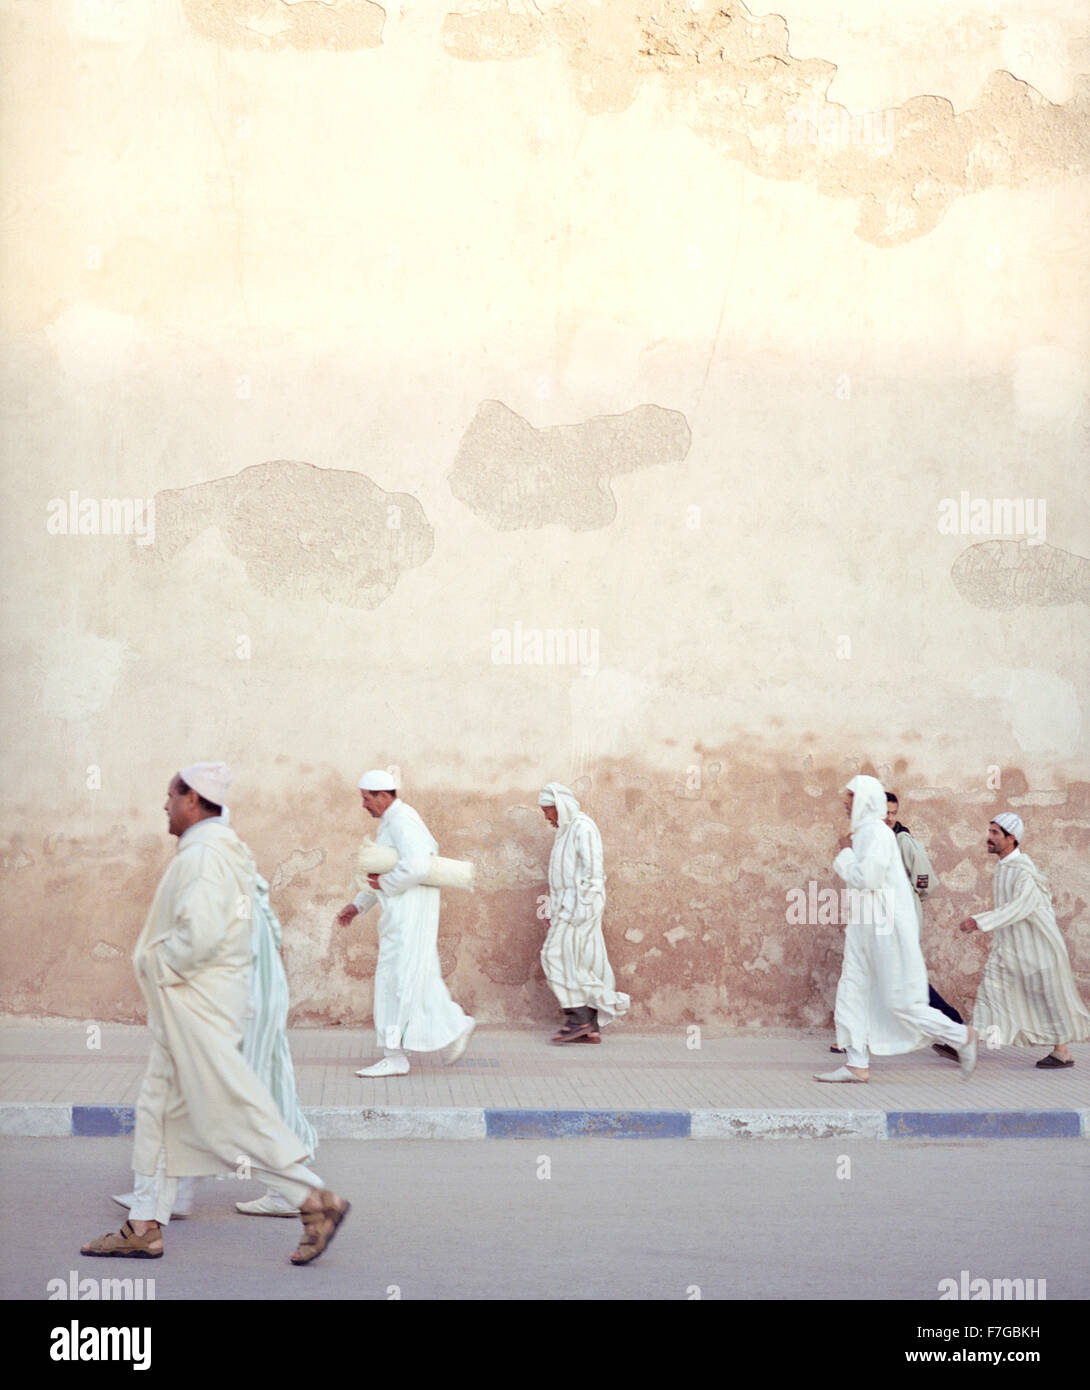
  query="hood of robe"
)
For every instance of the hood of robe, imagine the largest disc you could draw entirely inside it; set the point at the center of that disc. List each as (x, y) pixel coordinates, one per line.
(556, 794)
(870, 801)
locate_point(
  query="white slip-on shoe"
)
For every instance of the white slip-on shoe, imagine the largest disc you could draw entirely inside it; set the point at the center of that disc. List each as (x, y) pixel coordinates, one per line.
(128, 1198)
(270, 1204)
(458, 1046)
(389, 1066)
(841, 1074)
(967, 1058)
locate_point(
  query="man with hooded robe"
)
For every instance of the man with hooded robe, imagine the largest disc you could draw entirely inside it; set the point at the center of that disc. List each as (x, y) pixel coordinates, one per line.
(574, 954)
(881, 1001)
(1027, 994)
(922, 880)
(201, 1110)
(413, 1009)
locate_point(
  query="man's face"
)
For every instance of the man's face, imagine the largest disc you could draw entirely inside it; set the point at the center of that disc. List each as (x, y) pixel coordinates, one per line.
(848, 799)
(181, 808)
(374, 803)
(999, 842)
(550, 814)
(891, 813)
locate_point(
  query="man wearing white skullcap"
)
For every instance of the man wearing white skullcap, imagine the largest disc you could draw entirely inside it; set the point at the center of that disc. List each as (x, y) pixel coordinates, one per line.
(1027, 993)
(413, 1010)
(881, 1001)
(201, 1109)
(574, 953)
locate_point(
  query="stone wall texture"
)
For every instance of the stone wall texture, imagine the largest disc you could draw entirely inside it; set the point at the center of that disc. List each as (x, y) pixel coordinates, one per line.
(684, 403)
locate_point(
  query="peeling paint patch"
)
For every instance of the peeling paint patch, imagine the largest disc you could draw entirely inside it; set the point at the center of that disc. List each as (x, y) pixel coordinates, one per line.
(739, 964)
(1007, 574)
(789, 1124)
(492, 35)
(103, 950)
(300, 861)
(274, 25)
(730, 77)
(519, 477)
(301, 532)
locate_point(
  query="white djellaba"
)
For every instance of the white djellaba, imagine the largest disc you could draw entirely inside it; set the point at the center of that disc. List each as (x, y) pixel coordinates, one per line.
(881, 1000)
(413, 1010)
(200, 1104)
(265, 1049)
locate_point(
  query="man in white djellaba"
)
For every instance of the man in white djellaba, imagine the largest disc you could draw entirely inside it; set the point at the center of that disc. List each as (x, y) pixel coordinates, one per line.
(413, 1009)
(881, 1001)
(1027, 993)
(574, 953)
(201, 1109)
(267, 1052)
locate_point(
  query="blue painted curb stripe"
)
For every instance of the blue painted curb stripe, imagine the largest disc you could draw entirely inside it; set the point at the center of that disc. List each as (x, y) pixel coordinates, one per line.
(961, 1124)
(109, 1121)
(573, 1124)
(102, 1121)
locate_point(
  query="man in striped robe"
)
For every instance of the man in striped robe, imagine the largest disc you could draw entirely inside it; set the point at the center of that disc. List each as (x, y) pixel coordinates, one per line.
(574, 954)
(1027, 994)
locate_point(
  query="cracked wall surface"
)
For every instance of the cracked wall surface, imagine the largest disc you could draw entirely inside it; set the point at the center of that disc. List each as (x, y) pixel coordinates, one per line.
(300, 532)
(712, 944)
(653, 399)
(518, 476)
(1006, 573)
(731, 77)
(275, 25)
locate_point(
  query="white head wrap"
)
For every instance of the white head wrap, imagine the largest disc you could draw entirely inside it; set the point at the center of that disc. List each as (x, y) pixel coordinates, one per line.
(209, 780)
(1012, 824)
(869, 802)
(377, 781)
(556, 794)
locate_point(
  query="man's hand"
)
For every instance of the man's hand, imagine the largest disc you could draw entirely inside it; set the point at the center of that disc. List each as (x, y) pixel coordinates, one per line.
(845, 842)
(968, 924)
(346, 914)
(372, 880)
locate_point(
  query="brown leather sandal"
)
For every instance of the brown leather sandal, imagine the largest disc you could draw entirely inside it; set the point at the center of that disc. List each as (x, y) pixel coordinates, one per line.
(126, 1243)
(576, 1034)
(316, 1238)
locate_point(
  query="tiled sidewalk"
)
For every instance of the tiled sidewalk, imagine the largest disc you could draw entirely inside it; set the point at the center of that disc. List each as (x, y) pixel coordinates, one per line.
(48, 1066)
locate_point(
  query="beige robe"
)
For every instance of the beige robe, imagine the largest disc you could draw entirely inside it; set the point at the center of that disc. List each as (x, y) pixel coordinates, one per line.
(1027, 993)
(199, 1100)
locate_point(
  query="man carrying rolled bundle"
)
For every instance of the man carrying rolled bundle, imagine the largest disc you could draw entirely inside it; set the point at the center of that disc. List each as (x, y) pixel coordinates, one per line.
(413, 1009)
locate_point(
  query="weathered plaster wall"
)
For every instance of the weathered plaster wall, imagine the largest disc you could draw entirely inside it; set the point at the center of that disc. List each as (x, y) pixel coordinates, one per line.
(432, 332)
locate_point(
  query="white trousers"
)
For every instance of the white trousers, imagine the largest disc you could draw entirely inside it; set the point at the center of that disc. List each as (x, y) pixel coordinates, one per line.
(156, 1194)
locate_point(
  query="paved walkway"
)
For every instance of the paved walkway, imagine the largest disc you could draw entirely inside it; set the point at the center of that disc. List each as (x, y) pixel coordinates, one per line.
(58, 1077)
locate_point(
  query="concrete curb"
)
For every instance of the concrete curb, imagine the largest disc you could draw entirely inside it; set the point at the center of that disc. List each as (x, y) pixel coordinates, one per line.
(49, 1120)
(789, 1124)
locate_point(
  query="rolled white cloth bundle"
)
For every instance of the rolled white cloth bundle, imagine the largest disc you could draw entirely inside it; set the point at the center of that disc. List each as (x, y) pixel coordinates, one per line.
(444, 873)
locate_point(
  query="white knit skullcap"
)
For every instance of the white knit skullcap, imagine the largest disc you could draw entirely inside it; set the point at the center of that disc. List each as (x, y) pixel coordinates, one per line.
(377, 781)
(209, 780)
(1012, 824)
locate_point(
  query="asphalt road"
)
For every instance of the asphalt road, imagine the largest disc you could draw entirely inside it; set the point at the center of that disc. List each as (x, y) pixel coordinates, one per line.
(794, 1219)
